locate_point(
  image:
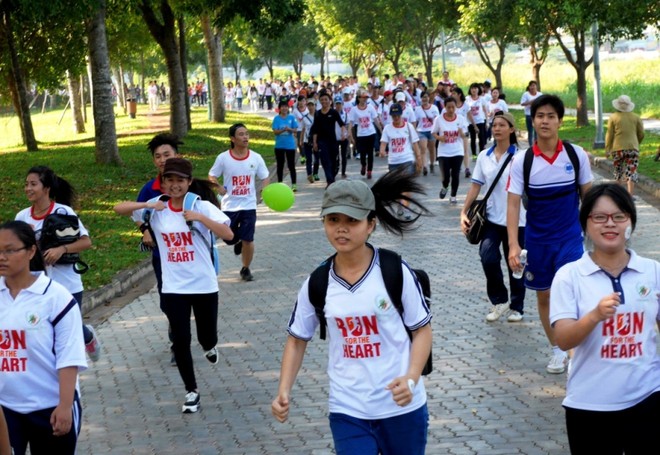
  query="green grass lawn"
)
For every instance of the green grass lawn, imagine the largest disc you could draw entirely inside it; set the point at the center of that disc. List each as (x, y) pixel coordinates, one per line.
(114, 238)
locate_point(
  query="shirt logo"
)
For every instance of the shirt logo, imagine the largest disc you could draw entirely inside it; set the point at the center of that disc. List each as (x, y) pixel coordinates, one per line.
(32, 319)
(568, 167)
(643, 290)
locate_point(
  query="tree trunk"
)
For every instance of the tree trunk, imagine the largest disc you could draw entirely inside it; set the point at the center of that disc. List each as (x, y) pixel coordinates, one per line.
(322, 58)
(268, 61)
(124, 91)
(165, 36)
(74, 97)
(582, 105)
(213, 42)
(105, 133)
(183, 56)
(90, 89)
(16, 78)
(83, 104)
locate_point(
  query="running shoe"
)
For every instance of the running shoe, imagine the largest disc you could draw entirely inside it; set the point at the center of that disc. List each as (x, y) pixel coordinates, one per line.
(238, 248)
(246, 275)
(191, 404)
(443, 193)
(425, 171)
(368, 175)
(363, 170)
(452, 200)
(303, 160)
(212, 355)
(497, 311)
(557, 364)
(310, 178)
(514, 316)
(316, 177)
(294, 187)
(93, 348)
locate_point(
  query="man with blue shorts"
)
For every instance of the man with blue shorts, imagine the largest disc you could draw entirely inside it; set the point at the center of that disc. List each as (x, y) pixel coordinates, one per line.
(553, 236)
(239, 168)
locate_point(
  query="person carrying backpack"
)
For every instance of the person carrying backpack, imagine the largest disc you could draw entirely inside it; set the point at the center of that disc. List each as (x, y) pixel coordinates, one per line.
(377, 399)
(190, 279)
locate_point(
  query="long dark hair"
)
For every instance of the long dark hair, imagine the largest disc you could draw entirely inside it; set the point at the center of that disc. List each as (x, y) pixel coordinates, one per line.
(60, 190)
(26, 235)
(205, 189)
(389, 192)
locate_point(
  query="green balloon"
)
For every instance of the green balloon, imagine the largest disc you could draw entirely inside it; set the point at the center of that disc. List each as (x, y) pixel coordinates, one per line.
(278, 196)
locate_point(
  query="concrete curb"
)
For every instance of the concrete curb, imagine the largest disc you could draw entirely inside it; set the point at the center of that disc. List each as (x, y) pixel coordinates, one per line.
(644, 183)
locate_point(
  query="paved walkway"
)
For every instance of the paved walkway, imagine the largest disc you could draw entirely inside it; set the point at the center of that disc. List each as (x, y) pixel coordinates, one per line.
(489, 393)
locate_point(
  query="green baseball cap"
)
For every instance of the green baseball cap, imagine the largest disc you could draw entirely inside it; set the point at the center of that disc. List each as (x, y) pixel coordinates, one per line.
(350, 197)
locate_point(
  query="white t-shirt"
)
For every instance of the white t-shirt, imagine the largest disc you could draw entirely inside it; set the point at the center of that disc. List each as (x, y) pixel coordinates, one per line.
(485, 171)
(364, 119)
(476, 109)
(238, 176)
(617, 365)
(492, 108)
(384, 112)
(369, 346)
(409, 114)
(41, 333)
(529, 97)
(299, 115)
(426, 117)
(62, 273)
(186, 260)
(307, 121)
(451, 130)
(400, 142)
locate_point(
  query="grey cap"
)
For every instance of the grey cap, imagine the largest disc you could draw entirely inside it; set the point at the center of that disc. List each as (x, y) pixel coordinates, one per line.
(350, 197)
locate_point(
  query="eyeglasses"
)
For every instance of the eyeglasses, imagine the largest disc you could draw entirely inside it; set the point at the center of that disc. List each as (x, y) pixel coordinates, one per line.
(601, 218)
(8, 253)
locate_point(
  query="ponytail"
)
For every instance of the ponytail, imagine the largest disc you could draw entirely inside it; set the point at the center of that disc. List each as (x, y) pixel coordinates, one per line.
(390, 192)
(60, 190)
(205, 189)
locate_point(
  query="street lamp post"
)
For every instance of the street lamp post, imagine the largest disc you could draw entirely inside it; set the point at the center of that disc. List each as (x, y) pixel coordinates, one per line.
(599, 141)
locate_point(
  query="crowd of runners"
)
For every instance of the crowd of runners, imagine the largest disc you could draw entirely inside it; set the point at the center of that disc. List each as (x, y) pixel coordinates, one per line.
(603, 303)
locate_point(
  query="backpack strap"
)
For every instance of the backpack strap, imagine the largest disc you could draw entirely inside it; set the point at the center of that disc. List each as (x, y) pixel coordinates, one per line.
(317, 288)
(189, 201)
(390, 267)
(146, 213)
(572, 155)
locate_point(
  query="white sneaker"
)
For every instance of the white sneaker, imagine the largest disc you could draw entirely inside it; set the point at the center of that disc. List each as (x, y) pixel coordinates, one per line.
(557, 364)
(514, 316)
(497, 312)
(191, 405)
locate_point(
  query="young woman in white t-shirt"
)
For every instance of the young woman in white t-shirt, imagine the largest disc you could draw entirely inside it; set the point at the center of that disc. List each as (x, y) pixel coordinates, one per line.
(526, 101)
(42, 349)
(365, 118)
(49, 193)
(449, 130)
(477, 127)
(375, 372)
(426, 115)
(463, 109)
(606, 307)
(189, 277)
(496, 104)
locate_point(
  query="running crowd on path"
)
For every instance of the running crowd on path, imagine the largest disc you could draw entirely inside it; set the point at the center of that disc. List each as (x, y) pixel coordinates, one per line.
(599, 307)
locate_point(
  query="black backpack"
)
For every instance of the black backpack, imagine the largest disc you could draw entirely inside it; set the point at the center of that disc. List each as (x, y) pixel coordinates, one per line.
(527, 169)
(390, 265)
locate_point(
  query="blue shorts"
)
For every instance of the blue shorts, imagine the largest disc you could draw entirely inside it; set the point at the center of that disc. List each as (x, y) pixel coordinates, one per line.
(242, 225)
(409, 165)
(543, 261)
(425, 134)
(406, 433)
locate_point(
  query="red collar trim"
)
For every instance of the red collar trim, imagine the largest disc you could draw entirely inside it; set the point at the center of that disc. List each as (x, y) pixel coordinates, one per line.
(537, 151)
(169, 205)
(156, 185)
(444, 116)
(50, 209)
(231, 153)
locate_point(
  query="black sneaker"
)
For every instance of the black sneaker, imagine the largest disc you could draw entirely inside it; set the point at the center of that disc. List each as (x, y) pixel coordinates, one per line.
(191, 404)
(443, 193)
(246, 275)
(212, 355)
(238, 248)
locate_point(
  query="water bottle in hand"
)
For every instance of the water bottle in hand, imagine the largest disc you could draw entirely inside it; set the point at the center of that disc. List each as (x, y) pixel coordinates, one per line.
(523, 261)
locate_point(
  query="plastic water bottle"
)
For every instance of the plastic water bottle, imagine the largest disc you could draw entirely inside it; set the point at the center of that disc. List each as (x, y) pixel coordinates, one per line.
(523, 262)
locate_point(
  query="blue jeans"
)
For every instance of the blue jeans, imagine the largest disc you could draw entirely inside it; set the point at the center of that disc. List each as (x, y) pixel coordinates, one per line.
(328, 157)
(491, 261)
(405, 434)
(531, 134)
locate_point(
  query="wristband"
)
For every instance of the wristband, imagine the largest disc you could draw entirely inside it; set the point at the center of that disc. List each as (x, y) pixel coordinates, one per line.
(143, 227)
